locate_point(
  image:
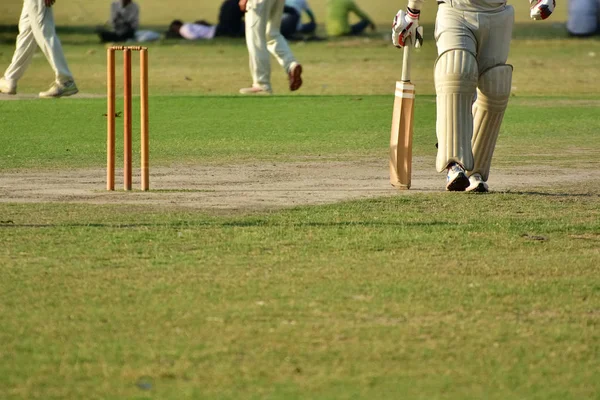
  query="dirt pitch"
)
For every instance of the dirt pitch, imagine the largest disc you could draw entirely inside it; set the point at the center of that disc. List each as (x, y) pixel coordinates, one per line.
(256, 186)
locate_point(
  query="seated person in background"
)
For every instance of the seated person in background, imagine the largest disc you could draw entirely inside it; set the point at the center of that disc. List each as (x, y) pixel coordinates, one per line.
(231, 24)
(584, 17)
(231, 20)
(192, 31)
(337, 18)
(291, 22)
(124, 21)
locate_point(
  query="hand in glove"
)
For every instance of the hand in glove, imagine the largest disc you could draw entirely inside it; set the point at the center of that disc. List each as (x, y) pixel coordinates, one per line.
(541, 9)
(406, 28)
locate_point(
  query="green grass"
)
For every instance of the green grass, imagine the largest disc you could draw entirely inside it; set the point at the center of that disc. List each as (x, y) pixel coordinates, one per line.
(537, 130)
(540, 52)
(441, 296)
(406, 296)
(423, 296)
(348, 66)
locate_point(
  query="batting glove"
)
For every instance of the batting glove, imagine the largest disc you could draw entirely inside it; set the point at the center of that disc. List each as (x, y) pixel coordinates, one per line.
(406, 26)
(541, 9)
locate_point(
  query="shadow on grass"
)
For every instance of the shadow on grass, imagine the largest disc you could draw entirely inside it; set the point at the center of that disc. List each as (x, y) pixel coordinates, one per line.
(60, 29)
(546, 194)
(87, 36)
(233, 224)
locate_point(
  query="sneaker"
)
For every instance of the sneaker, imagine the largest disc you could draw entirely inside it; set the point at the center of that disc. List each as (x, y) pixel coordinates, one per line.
(477, 184)
(457, 180)
(295, 76)
(60, 90)
(255, 90)
(7, 87)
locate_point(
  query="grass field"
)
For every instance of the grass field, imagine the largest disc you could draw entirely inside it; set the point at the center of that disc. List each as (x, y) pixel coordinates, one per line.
(271, 259)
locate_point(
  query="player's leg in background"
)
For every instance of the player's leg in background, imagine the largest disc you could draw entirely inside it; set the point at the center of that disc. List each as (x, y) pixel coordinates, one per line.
(24, 50)
(455, 76)
(44, 31)
(359, 27)
(493, 91)
(256, 25)
(276, 43)
(231, 20)
(279, 47)
(289, 22)
(309, 28)
(583, 19)
(107, 36)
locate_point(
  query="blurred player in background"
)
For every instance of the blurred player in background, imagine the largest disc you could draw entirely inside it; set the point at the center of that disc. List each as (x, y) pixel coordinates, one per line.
(291, 23)
(36, 26)
(472, 80)
(124, 22)
(199, 30)
(231, 20)
(584, 17)
(263, 36)
(338, 13)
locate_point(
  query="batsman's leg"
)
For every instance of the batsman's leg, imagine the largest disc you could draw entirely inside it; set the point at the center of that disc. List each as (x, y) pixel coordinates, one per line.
(455, 85)
(488, 111)
(494, 86)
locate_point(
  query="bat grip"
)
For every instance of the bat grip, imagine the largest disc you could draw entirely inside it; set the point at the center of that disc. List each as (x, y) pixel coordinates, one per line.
(406, 61)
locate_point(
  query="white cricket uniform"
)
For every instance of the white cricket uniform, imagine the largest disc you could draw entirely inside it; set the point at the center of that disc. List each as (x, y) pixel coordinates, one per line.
(472, 80)
(482, 27)
(485, 34)
(263, 36)
(300, 6)
(36, 28)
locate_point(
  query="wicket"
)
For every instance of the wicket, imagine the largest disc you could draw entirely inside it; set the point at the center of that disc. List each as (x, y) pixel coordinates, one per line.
(110, 115)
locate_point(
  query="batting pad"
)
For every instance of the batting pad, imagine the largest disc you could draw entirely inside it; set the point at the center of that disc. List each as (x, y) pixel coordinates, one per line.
(488, 111)
(455, 84)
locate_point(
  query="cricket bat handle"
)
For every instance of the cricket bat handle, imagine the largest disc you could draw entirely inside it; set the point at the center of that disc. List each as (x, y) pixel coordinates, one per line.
(406, 62)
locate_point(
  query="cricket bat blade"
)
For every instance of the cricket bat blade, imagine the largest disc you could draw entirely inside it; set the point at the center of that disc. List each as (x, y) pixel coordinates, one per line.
(402, 135)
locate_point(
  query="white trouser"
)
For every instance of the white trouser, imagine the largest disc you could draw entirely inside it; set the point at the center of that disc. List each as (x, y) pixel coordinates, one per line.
(486, 35)
(263, 20)
(37, 26)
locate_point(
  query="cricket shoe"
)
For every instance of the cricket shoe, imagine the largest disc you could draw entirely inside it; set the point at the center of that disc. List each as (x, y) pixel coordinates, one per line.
(254, 90)
(477, 184)
(295, 76)
(7, 87)
(457, 180)
(60, 90)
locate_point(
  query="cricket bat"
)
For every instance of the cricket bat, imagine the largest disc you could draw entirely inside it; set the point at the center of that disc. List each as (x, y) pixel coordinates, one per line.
(402, 127)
